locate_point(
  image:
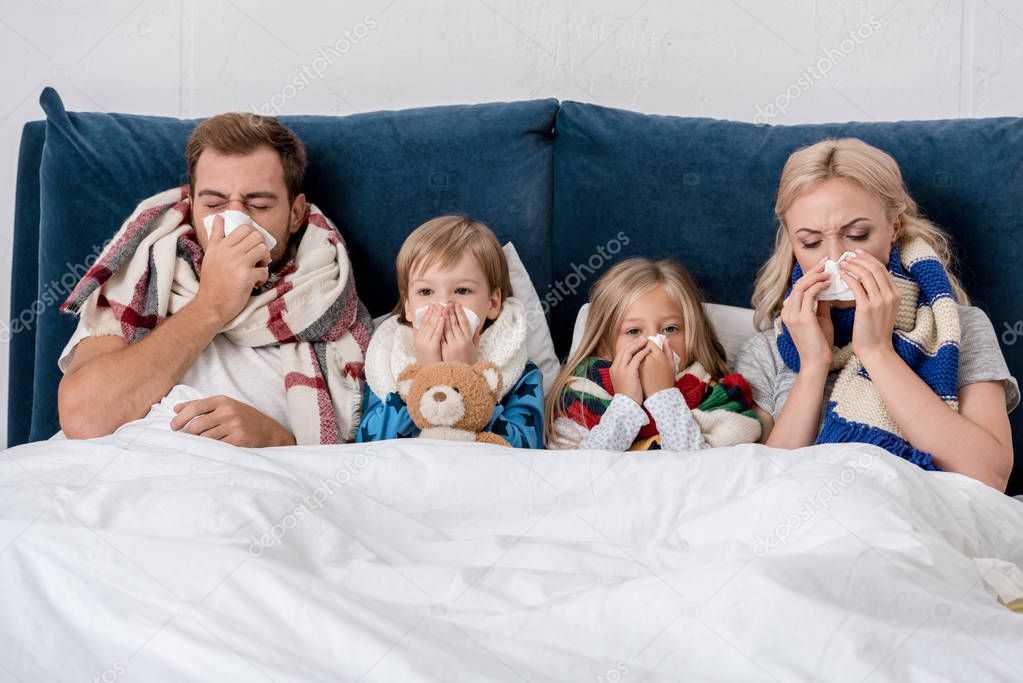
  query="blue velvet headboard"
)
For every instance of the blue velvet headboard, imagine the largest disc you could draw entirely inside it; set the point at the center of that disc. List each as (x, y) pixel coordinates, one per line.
(607, 184)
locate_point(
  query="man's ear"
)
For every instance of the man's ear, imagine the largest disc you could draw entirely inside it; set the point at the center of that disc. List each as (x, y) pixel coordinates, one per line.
(298, 210)
(405, 380)
(490, 374)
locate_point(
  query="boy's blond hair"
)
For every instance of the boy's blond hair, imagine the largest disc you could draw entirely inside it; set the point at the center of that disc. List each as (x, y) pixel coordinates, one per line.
(444, 241)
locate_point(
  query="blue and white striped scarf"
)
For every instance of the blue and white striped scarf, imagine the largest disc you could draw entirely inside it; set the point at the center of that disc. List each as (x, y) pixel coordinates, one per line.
(926, 337)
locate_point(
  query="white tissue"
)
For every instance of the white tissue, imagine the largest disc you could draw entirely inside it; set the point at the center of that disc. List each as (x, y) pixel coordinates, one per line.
(837, 289)
(659, 340)
(474, 320)
(234, 219)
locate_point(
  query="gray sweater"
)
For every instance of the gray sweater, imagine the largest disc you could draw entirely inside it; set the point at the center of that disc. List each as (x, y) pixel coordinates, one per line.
(980, 360)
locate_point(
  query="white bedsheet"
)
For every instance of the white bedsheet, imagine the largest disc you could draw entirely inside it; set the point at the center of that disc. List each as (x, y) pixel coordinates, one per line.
(155, 556)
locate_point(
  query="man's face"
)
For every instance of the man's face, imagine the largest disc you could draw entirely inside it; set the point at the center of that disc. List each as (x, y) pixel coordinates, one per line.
(252, 183)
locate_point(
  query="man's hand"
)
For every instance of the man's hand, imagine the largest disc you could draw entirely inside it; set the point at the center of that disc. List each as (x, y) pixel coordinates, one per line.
(225, 419)
(231, 267)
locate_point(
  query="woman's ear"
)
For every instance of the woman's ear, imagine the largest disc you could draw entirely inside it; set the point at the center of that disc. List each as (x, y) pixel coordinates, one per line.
(298, 210)
(897, 229)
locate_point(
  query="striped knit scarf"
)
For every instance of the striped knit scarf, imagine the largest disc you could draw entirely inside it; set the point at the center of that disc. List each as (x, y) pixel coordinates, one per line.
(722, 409)
(309, 309)
(926, 337)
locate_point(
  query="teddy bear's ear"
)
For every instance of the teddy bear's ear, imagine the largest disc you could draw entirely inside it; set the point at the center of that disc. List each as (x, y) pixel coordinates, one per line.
(405, 380)
(491, 374)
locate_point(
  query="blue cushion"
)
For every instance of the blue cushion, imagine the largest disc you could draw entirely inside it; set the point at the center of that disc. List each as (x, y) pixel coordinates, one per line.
(25, 286)
(377, 175)
(702, 191)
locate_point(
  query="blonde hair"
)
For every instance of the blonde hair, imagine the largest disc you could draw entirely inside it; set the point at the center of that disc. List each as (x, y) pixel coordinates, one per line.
(445, 240)
(610, 296)
(877, 173)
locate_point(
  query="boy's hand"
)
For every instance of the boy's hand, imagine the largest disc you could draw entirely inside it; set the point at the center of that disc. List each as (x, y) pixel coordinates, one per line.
(625, 369)
(459, 344)
(225, 419)
(428, 337)
(657, 372)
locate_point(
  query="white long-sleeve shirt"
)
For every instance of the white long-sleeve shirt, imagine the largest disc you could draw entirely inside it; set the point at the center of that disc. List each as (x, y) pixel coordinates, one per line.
(620, 424)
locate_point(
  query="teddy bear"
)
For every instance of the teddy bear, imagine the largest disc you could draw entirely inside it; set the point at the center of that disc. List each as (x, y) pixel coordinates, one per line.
(452, 400)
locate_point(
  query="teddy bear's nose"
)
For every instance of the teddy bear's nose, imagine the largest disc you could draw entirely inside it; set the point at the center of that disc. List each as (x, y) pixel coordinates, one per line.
(439, 396)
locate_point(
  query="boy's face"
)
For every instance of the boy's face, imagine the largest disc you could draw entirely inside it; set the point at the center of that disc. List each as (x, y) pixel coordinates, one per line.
(464, 283)
(252, 183)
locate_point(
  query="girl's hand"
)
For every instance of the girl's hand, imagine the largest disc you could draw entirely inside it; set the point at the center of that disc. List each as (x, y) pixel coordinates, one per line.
(427, 338)
(812, 333)
(625, 369)
(657, 372)
(877, 304)
(459, 344)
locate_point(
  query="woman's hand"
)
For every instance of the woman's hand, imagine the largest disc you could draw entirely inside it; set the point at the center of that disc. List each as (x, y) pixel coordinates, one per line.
(427, 338)
(813, 333)
(877, 304)
(459, 343)
(625, 369)
(657, 372)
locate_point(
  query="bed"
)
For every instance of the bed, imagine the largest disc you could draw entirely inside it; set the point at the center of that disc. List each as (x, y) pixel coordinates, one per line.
(158, 556)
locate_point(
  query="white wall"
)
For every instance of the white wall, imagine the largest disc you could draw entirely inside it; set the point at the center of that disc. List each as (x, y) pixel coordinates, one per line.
(729, 59)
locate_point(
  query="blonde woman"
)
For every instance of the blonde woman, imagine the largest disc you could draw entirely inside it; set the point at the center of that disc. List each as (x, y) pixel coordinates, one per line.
(907, 364)
(649, 371)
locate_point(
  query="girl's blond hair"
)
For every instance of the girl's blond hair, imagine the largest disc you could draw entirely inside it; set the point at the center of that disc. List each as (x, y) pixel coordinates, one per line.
(877, 173)
(610, 296)
(445, 240)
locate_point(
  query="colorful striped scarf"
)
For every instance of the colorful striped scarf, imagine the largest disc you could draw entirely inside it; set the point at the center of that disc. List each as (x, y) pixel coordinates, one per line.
(722, 409)
(309, 309)
(926, 337)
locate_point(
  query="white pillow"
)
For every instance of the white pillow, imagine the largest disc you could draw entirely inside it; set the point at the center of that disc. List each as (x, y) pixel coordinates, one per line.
(539, 344)
(733, 324)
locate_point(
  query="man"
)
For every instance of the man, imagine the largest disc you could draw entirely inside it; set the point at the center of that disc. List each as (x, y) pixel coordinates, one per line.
(271, 338)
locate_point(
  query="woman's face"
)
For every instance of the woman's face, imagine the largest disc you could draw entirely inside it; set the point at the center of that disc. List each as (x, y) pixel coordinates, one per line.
(835, 216)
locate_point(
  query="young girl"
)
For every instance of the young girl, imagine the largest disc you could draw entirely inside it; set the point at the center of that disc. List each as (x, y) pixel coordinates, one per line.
(622, 390)
(455, 304)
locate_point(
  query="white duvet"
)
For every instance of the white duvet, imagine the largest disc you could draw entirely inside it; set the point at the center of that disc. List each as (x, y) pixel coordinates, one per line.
(154, 556)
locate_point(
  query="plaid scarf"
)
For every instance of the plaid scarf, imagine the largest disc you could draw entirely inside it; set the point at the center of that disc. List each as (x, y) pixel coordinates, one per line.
(309, 309)
(926, 337)
(722, 409)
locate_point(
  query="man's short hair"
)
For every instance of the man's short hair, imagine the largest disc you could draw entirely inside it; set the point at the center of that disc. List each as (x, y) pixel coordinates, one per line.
(242, 133)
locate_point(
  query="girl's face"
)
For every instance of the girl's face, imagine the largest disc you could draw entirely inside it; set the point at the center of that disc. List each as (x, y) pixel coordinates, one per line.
(465, 283)
(835, 216)
(651, 314)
